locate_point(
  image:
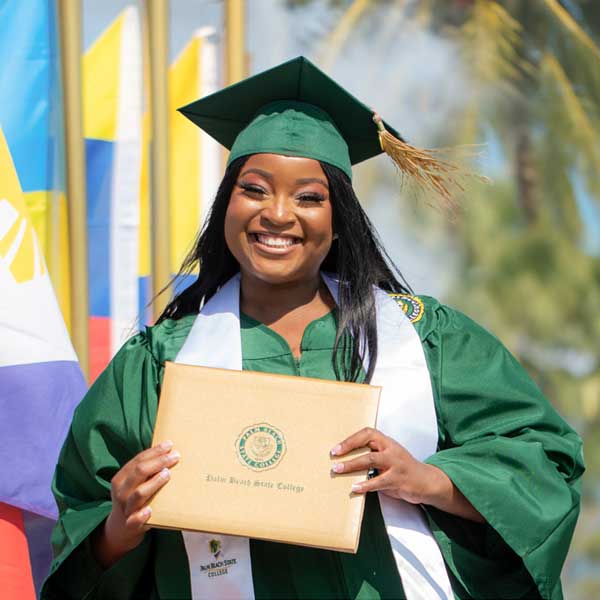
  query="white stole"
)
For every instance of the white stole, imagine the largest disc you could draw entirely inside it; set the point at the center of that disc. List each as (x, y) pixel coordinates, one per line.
(406, 413)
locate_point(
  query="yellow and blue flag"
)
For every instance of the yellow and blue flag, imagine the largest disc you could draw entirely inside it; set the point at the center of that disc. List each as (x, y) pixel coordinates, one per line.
(195, 158)
(31, 117)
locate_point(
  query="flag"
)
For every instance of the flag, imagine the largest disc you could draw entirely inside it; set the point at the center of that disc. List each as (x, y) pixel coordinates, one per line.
(31, 117)
(195, 158)
(40, 379)
(16, 581)
(35, 412)
(112, 100)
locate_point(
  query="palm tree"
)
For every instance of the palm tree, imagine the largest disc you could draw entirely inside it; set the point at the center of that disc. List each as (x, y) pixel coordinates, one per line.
(530, 266)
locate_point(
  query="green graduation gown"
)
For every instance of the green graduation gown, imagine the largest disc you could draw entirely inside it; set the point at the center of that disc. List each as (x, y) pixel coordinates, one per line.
(500, 442)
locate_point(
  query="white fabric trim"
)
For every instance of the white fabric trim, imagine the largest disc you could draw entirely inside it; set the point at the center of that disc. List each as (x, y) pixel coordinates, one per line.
(406, 413)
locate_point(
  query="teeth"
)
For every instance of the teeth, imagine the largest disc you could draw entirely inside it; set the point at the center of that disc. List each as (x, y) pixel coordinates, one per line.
(275, 242)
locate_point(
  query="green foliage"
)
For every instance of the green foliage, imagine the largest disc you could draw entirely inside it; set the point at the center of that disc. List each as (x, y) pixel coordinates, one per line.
(533, 78)
(525, 272)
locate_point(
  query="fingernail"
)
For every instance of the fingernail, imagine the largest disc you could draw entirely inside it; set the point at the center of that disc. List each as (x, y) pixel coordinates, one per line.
(165, 473)
(336, 450)
(146, 512)
(167, 445)
(174, 455)
(338, 468)
(356, 487)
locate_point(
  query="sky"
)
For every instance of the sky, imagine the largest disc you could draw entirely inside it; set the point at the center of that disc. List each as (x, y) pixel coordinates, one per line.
(186, 17)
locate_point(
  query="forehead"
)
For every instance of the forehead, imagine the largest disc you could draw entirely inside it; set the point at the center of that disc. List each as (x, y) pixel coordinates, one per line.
(280, 166)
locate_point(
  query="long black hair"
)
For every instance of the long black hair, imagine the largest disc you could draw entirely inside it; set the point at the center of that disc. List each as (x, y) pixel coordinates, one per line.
(357, 257)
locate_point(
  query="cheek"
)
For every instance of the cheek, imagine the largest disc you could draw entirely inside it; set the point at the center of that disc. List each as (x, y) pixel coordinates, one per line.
(235, 221)
(322, 228)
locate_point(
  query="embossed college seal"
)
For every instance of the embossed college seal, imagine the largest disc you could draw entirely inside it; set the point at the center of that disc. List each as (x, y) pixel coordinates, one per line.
(260, 447)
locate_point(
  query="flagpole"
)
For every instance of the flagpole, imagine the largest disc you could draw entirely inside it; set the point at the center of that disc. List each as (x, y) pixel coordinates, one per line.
(235, 41)
(158, 44)
(235, 49)
(70, 40)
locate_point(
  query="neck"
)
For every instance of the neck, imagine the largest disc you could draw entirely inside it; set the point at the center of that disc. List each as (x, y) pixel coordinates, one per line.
(269, 303)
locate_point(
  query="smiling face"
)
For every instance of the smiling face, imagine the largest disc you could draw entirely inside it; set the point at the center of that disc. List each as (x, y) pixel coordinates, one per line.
(278, 224)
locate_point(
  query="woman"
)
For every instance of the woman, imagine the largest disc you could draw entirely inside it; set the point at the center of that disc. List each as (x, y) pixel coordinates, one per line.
(500, 492)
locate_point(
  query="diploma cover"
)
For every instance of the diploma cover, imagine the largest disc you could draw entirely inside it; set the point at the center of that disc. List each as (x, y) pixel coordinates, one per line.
(255, 455)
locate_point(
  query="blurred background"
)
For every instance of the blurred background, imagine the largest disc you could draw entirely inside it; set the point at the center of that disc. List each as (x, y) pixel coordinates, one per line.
(117, 182)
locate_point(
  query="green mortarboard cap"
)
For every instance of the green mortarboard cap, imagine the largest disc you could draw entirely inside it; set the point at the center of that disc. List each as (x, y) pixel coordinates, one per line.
(292, 109)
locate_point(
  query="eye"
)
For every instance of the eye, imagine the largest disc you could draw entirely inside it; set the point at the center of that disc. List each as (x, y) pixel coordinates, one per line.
(311, 197)
(252, 190)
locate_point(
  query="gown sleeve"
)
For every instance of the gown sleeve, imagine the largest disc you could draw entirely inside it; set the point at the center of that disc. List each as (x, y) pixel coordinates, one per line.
(507, 450)
(112, 424)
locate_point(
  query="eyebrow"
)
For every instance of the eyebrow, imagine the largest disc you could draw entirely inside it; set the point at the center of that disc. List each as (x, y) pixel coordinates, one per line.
(305, 180)
(301, 181)
(265, 174)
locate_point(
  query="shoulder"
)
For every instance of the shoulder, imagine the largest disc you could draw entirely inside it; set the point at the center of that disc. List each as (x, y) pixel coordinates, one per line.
(450, 339)
(166, 339)
(431, 318)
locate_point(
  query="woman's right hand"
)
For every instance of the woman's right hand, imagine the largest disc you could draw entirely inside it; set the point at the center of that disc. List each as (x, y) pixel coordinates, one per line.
(131, 489)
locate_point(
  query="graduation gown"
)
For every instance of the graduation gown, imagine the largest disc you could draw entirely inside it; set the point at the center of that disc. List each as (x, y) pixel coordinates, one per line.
(500, 442)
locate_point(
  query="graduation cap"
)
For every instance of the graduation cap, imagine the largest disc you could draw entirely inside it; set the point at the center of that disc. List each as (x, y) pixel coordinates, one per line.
(295, 109)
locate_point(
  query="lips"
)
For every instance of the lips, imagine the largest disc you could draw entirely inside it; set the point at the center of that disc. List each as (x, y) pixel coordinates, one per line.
(274, 244)
(275, 241)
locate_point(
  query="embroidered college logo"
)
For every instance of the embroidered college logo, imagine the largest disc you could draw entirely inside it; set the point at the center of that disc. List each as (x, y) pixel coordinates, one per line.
(221, 565)
(260, 447)
(411, 306)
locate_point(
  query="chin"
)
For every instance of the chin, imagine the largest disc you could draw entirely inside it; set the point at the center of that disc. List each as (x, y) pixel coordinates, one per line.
(275, 277)
(279, 274)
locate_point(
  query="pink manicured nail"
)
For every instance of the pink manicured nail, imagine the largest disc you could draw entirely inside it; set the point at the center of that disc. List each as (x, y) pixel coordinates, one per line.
(356, 487)
(146, 512)
(166, 445)
(336, 450)
(165, 473)
(174, 455)
(338, 468)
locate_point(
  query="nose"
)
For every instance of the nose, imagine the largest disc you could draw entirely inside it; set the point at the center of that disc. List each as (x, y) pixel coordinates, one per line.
(278, 211)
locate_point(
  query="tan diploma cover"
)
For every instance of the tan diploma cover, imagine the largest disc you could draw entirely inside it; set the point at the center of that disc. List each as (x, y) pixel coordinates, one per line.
(255, 455)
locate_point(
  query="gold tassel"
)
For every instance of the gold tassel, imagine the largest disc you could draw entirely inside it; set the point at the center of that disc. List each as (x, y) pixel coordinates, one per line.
(424, 167)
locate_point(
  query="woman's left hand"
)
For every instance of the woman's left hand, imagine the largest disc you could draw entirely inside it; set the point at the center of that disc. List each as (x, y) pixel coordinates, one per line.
(401, 475)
